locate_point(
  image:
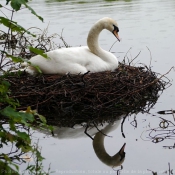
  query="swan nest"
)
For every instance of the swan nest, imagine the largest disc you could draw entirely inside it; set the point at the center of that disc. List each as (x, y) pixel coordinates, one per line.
(92, 97)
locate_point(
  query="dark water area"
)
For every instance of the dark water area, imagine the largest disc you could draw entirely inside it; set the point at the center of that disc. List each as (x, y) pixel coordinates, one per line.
(146, 26)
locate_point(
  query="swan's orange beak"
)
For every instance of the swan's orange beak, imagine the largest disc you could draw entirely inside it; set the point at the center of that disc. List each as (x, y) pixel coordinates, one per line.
(116, 35)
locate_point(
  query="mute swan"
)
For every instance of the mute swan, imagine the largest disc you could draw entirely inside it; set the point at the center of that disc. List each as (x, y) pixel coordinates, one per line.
(98, 145)
(77, 60)
(98, 142)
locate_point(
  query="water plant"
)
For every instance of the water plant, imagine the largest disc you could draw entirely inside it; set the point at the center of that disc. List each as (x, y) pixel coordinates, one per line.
(15, 125)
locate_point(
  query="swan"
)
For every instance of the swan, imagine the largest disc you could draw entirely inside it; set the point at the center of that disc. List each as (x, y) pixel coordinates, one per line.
(79, 60)
(78, 131)
(98, 141)
(99, 149)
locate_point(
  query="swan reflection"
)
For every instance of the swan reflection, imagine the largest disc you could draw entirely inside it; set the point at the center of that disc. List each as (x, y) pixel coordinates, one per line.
(98, 135)
(98, 145)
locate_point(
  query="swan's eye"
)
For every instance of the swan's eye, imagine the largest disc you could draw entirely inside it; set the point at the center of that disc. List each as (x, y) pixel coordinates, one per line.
(116, 28)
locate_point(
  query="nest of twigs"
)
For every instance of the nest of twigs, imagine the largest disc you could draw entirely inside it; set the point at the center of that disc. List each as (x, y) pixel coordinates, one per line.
(71, 99)
(93, 97)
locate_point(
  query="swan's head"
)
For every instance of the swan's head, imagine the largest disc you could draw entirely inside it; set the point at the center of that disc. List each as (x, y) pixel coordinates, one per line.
(119, 158)
(111, 25)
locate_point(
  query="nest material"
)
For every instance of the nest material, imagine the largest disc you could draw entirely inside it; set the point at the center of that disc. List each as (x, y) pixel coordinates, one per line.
(92, 97)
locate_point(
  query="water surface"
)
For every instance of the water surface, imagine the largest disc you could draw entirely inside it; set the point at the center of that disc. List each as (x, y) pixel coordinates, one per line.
(143, 24)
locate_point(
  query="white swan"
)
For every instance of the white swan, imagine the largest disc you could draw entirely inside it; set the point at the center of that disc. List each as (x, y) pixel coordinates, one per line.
(77, 60)
(98, 145)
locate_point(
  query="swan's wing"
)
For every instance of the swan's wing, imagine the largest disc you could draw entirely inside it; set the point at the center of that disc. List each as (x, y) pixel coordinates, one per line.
(73, 60)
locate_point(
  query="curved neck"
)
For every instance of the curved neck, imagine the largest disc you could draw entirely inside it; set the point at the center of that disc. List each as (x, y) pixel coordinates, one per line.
(92, 40)
(98, 145)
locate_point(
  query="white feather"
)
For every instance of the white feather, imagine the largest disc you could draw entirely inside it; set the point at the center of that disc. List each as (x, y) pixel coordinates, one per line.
(77, 60)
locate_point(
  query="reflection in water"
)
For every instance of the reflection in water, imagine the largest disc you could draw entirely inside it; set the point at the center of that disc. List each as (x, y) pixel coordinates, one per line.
(98, 145)
(164, 130)
(98, 141)
(144, 23)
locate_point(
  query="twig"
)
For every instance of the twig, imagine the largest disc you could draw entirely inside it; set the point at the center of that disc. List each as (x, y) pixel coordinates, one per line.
(154, 173)
(85, 131)
(173, 113)
(112, 45)
(150, 57)
(122, 126)
(134, 58)
(126, 55)
(100, 130)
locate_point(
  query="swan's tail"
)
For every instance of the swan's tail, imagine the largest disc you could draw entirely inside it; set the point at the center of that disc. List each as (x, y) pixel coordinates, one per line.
(28, 68)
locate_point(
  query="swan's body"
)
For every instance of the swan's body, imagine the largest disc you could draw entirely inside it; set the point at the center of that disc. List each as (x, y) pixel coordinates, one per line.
(77, 60)
(98, 144)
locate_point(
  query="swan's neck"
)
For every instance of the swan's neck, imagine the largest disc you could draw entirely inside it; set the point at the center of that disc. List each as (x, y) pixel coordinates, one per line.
(99, 148)
(92, 42)
(101, 152)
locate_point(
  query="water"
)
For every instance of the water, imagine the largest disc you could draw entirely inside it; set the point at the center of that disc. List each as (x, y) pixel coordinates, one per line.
(142, 23)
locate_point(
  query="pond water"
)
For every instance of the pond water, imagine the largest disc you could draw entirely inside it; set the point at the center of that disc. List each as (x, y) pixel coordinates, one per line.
(144, 24)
